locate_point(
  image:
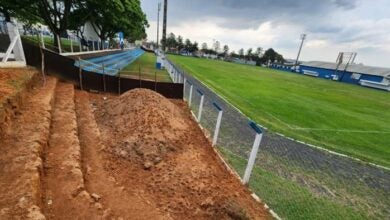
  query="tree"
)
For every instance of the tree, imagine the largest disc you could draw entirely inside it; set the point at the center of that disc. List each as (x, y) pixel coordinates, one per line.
(241, 53)
(187, 44)
(249, 54)
(216, 46)
(194, 47)
(171, 41)
(271, 55)
(225, 50)
(259, 52)
(180, 44)
(204, 47)
(110, 17)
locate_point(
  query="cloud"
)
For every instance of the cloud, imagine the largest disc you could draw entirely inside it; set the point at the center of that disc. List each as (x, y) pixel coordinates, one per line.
(331, 25)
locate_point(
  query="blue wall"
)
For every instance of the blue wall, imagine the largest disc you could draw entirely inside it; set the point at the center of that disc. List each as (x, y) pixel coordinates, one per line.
(344, 77)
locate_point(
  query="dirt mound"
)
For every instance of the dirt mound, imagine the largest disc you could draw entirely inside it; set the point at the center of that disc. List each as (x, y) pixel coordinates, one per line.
(147, 125)
(159, 153)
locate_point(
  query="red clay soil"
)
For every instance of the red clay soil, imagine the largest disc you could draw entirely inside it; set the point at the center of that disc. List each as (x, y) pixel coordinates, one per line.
(116, 200)
(20, 158)
(14, 86)
(156, 151)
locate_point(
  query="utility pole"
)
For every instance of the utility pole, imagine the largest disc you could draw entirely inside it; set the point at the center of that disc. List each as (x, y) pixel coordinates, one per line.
(158, 22)
(164, 37)
(303, 38)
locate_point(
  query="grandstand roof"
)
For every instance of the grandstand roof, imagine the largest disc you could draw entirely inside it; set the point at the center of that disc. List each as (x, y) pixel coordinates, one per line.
(354, 68)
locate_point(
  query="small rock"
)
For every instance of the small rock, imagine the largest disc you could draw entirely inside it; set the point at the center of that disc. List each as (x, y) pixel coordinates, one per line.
(49, 202)
(95, 197)
(99, 206)
(148, 165)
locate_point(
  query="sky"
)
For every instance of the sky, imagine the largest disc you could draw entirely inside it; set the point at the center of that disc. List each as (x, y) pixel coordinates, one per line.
(332, 26)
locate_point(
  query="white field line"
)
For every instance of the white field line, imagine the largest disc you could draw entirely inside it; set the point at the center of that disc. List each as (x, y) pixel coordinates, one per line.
(310, 145)
(295, 127)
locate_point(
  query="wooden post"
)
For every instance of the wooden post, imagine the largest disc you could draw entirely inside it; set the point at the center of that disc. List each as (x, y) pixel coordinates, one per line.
(104, 79)
(80, 74)
(155, 81)
(119, 83)
(139, 75)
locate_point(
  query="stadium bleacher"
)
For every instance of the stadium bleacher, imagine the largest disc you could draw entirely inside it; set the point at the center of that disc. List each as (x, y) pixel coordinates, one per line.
(110, 64)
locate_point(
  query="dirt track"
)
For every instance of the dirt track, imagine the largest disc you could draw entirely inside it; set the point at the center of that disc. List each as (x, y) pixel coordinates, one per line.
(73, 155)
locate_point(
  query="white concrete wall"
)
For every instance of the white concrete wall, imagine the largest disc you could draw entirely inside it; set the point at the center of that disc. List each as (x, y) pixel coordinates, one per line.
(89, 32)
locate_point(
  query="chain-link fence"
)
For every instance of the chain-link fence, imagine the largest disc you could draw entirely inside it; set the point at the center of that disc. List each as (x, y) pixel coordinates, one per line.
(296, 180)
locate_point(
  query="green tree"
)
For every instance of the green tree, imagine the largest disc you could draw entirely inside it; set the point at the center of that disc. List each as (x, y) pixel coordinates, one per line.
(110, 17)
(241, 53)
(204, 47)
(180, 43)
(225, 50)
(171, 41)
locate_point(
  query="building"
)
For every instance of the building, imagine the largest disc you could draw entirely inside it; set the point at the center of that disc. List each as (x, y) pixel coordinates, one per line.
(369, 76)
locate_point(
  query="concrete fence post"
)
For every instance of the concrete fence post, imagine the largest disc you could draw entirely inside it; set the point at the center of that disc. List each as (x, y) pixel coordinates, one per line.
(218, 124)
(200, 105)
(190, 95)
(59, 44)
(255, 149)
(42, 41)
(184, 88)
(71, 45)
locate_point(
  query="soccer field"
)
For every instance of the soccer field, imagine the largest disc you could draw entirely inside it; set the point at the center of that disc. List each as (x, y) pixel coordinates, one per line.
(146, 64)
(344, 118)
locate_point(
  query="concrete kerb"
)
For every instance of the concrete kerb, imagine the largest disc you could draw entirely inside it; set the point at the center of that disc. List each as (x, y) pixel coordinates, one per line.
(309, 145)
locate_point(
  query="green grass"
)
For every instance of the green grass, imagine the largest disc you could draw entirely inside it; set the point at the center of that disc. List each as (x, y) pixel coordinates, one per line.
(345, 118)
(290, 200)
(146, 64)
(49, 43)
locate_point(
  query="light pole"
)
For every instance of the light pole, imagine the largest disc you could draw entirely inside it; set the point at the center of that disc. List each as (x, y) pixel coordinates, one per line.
(303, 37)
(158, 21)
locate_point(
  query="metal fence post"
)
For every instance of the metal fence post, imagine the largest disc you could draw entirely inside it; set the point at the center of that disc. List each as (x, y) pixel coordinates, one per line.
(93, 45)
(81, 47)
(200, 105)
(255, 149)
(218, 124)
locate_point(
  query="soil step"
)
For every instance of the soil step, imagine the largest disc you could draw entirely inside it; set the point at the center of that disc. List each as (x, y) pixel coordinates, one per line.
(21, 151)
(65, 196)
(119, 201)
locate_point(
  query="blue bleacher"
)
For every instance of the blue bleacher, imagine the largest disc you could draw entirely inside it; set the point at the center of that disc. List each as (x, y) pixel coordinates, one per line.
(112, 63)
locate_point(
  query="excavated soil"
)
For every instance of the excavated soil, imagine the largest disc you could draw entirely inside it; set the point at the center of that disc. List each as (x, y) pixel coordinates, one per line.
(154, 149)
(14, 86)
